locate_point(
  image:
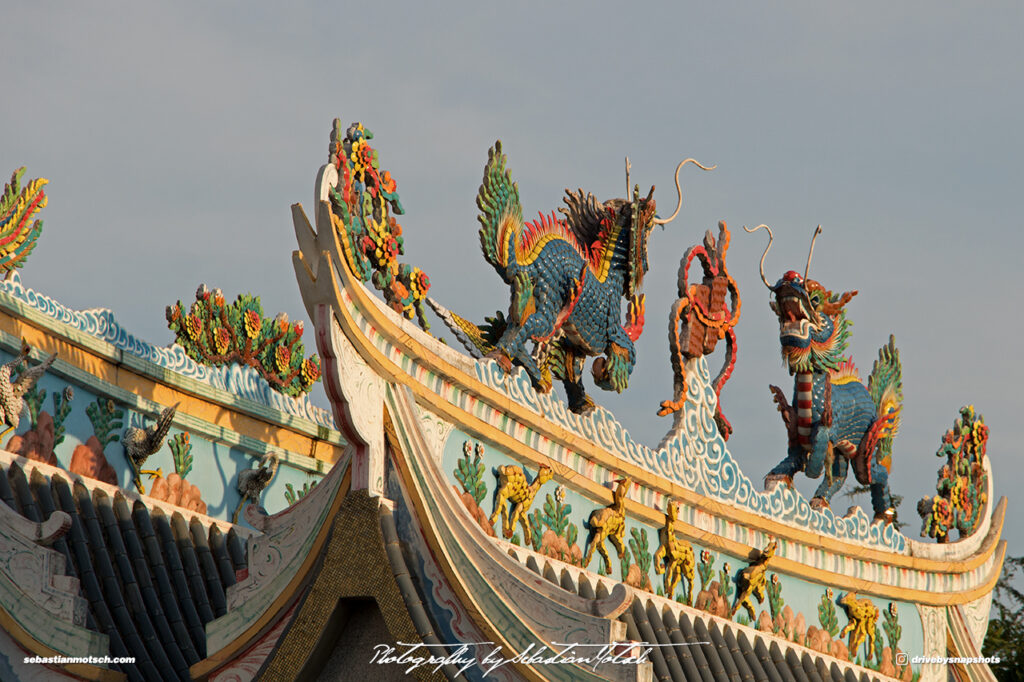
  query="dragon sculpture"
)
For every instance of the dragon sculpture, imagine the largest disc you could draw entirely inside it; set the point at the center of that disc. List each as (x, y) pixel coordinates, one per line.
(701, 318)
(835, 420)
(568, 276)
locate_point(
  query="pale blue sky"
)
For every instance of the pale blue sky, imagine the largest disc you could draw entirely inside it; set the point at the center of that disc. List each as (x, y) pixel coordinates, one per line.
(176, 137)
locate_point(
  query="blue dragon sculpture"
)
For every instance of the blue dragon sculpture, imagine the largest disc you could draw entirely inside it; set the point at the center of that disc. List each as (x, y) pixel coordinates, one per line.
(568, 276)
(835, 420)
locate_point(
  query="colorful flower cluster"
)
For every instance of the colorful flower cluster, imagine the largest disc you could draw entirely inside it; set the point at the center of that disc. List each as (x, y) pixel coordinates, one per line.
(963, 481)
(362, 204)
(215, 333)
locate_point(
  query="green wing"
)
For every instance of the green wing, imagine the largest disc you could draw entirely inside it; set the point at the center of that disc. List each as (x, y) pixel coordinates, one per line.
(886, 388)
(501, 214)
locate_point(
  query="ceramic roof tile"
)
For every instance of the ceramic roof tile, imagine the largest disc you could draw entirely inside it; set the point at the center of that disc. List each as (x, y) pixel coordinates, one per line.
(151, 599)
(111, 588)
(179, 583)
(236, 550)
(219, 549)
(190, 563)
(781, 665)
(667, 648)
(90, 584)
(712, 652)
(151, 583)
(746, 673)
(683, 652)
(162, 579)
(19, 486)
(693, 648)
(208, 567)
(732, 670)
(793, 662)
(658, 655)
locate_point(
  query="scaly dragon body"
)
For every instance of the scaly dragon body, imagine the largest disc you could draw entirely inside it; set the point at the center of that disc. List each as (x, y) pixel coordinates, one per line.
(835, 420)
(568, 277)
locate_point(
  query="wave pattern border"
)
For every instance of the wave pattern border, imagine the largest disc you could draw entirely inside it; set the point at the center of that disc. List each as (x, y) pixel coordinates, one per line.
(245, 382)
(693, 454)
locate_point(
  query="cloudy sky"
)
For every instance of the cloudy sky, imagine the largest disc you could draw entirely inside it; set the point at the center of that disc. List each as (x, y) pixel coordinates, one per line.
(176, 137)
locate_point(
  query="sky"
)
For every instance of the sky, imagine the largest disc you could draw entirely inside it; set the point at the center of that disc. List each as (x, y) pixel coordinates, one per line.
(176, 137)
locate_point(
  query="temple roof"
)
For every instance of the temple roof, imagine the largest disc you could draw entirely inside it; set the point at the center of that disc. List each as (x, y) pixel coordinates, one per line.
(694, 646)
(152, 579)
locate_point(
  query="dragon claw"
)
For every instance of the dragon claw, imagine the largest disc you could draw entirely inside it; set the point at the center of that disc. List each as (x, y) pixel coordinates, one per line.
(888, 516)
(771, 480)
(502, 358)
(819, 504)
(585, 406)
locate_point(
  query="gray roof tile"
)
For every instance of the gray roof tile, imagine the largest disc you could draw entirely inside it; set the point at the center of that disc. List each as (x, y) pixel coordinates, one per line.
(152, 584)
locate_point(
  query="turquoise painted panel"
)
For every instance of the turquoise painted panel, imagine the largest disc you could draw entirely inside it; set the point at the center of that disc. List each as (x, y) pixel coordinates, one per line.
(217, 455)
(715, 573)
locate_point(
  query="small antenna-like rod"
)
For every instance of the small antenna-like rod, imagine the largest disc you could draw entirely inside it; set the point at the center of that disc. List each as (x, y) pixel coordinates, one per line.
(771, 237)
(679, 190)
(627, 176)
(817, 231)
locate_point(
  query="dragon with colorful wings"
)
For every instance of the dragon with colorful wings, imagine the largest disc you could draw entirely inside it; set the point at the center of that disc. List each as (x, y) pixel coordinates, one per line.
(835, 420)
(568, 276)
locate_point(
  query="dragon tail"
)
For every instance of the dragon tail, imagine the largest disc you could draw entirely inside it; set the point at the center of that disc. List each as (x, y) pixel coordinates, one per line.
(479, 341)
(501, 214)
(886, 388)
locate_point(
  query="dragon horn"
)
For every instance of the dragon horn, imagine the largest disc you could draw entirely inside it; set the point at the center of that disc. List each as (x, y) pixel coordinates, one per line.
(817, 231)
(679, 190)
(770, 238)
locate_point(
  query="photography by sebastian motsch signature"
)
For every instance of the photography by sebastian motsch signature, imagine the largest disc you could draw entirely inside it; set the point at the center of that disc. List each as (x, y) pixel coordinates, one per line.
(489, 658)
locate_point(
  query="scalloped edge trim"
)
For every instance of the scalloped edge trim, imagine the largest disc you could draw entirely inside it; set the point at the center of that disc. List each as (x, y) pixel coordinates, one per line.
(244, 382)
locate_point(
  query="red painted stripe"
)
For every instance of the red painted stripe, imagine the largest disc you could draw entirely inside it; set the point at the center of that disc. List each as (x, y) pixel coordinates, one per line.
(18, 231)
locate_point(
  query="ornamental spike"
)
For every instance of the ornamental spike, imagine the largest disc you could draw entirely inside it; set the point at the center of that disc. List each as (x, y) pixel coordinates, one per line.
(817, 231)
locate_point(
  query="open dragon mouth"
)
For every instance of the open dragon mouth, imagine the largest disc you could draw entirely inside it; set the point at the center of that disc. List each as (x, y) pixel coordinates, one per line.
(797, 319)
(793, 319)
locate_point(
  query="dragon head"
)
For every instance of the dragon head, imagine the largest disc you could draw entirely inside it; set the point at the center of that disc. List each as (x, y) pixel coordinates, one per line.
(813, 328)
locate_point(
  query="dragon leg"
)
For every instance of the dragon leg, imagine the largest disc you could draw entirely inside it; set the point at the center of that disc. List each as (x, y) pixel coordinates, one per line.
(784, 470)
(835, 476)
(512, 349)
(881, 501)
(612, 371)
(579, 401)
(820, 457)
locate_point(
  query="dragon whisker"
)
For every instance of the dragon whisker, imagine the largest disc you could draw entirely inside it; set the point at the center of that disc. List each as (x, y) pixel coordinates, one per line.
(771, 238)
(679, 190)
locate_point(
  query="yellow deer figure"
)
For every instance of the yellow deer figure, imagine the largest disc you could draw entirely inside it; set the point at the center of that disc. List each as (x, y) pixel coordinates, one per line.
(863, 617)
(752, 581)
(609, 523)
(674, 557)
(512, 487)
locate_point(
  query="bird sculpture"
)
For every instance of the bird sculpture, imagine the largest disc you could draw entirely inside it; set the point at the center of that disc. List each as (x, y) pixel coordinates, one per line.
(12, 392)
(252, 482)
(141, 443)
